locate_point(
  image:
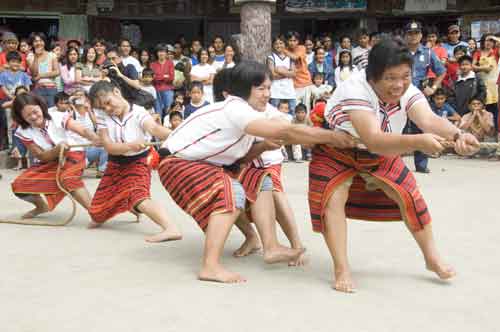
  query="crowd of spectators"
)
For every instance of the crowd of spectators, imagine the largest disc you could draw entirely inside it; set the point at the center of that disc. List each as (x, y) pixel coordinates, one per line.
(173, 80)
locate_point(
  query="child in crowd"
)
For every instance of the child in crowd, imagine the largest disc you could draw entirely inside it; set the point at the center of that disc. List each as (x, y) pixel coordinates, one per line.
(301, 151)
(345, 68)
(147, 82)
(177, 106)
(62, 102)
(283, 107)
(197, 101)
(319, 90)
(479, 123)
(10, 79)
(452, 68)
(442, 108)
(467, 85)
(175, 119)
(19, 151)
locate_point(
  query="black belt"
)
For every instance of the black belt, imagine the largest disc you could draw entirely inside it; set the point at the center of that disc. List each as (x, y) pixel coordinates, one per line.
(123, 160)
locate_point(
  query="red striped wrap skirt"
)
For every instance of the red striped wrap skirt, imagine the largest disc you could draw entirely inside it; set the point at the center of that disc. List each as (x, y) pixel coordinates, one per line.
(41, 179)
(123, 186)
(252, 177)
(199, 188)
(331, 168)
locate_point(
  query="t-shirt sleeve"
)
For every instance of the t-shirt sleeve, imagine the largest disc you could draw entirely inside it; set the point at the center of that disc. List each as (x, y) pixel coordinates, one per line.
(241, 114)
(142, 116)
(24, 135)
(412, 97)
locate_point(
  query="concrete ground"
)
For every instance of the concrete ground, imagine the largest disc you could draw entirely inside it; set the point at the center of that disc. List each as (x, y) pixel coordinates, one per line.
(74, 279)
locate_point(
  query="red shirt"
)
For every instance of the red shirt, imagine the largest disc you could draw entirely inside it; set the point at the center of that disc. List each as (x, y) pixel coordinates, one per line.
(441, 54)
(160, 82)
(451, 73)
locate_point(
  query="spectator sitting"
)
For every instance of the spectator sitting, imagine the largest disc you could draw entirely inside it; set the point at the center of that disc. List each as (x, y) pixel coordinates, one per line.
(442, 108)
(177, 107)
(301, 151)
(345, 68)
(467, 85)
(479, 122)
(319, 90)
(175, 119)
(197, 101)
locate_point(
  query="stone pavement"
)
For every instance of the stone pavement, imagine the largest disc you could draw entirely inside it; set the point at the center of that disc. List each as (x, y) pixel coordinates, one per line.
(74, 279)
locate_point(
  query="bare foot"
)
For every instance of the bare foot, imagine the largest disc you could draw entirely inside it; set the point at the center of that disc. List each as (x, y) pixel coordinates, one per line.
(250, 246)
(443, 270)
(219, 274)
(35, 212)
(166, 235)
(93, 225)
(300, 261)
(282, 254)
(343, 281)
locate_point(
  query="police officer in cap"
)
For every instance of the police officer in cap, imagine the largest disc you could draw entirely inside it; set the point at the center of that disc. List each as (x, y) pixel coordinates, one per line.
(424, 59)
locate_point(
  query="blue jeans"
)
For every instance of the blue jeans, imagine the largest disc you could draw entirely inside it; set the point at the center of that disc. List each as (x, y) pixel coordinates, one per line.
(291, 104)
(164, 100)
(421, 160)
(47, 94)
(95, 153)
(17, 143)
(239, 192)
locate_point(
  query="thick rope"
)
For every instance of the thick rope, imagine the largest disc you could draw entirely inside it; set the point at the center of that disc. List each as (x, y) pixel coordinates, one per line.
(61, 161)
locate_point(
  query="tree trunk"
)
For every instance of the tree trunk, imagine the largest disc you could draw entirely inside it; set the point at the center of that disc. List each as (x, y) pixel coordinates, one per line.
(255, 31)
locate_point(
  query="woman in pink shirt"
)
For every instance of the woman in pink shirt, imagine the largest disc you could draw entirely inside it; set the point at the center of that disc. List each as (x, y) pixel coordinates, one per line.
(163, 80)
(68, 70)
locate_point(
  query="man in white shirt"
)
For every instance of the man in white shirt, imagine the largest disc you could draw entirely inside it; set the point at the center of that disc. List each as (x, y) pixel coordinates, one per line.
(127, 59)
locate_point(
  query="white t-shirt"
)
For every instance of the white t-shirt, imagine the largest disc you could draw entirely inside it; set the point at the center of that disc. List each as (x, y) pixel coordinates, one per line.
(215, 133)
(282, 88)
(126, 130)
(130, 60)
(53, 133)
(86, 122)
(273, 157)
(204, 72)
(356, 94)
(309, 58)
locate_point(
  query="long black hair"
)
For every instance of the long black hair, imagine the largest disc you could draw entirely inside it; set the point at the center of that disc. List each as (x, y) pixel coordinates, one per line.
(26, 99)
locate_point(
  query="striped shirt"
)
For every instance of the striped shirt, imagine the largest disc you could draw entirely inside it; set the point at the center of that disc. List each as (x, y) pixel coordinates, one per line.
(215, 133)
(356, 94)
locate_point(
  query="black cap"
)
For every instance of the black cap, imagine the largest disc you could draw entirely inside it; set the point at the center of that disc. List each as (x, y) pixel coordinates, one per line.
(413, 26)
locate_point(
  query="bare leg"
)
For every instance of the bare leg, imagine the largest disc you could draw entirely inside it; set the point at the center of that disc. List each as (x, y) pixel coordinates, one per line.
(216, 234)
(263, 214)
(424, 239)
(82, 196)
(335, 235)
(156, 213)
(252, 242)
(38, 202)
(286, 219)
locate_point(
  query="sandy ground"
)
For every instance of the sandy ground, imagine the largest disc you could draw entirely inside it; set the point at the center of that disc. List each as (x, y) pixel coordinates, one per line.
(74, 279)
